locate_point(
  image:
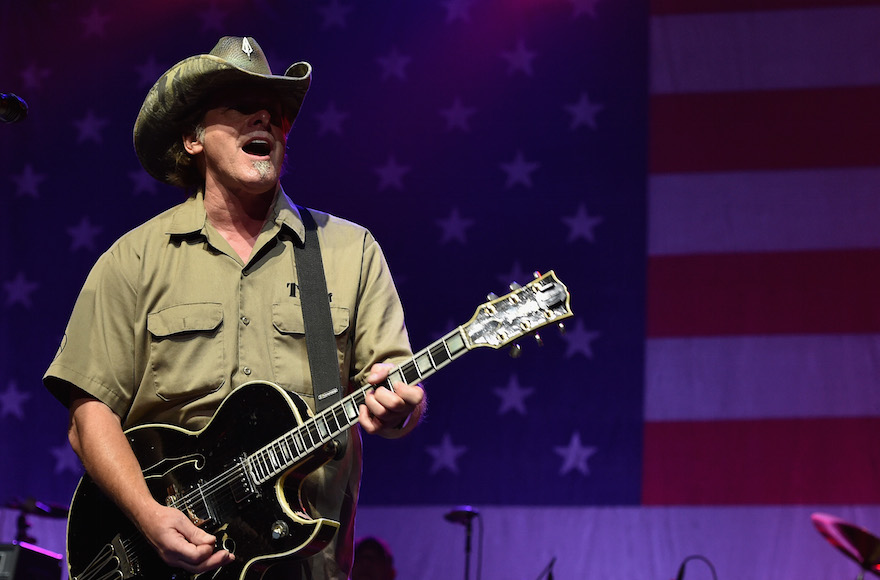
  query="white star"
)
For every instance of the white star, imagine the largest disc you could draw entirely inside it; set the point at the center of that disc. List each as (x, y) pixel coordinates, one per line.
(445, 454)
(66, 459)
(142, 182)
(513, 396)
(90, 128)
(94, 23)
(12, 401)
(575, 455)
(457, 10)
(583, 112)
(335, 14)
(581, 225)
(33, 76)
(519, 59)
(28, 182)
(579, 340)
(519, 171)
(331, 120)
(582, 7)
(391, 174)
(393, 65)
(83, 235)
(213, 18)
(454, 227)
(148, 72)
(457, 116)
(18, 291)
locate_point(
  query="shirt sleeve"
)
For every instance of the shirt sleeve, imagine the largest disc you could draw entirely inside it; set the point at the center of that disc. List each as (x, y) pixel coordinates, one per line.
(380, 332)
(97, 350)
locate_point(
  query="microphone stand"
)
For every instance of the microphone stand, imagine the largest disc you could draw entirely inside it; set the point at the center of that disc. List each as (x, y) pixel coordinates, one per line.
(548, 570)
(464, 515)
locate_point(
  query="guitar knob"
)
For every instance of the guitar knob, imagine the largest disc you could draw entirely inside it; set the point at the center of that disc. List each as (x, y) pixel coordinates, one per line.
(280, 530)
(515, 351)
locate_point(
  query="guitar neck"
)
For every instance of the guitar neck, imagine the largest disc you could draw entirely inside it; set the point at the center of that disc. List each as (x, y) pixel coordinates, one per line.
(279, 455)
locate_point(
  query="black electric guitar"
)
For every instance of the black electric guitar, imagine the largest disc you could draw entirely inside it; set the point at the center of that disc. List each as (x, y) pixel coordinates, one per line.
(239, 477)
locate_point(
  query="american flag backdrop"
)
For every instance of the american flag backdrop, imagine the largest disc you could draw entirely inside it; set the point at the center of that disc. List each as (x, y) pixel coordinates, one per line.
(704, 177)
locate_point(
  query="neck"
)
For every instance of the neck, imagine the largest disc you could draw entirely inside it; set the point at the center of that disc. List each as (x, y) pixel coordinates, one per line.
(239, 217)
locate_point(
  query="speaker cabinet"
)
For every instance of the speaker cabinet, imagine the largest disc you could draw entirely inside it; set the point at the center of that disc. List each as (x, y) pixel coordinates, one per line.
(28, 562)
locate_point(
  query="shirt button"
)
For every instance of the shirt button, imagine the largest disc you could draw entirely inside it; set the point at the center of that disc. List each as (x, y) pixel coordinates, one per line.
(246, 370)
(245, 320)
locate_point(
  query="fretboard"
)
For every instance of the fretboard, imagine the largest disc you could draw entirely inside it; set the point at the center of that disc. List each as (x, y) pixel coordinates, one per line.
(279, 455)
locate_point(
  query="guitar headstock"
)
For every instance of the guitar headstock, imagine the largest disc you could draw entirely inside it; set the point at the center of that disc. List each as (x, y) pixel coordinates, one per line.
(543, 301)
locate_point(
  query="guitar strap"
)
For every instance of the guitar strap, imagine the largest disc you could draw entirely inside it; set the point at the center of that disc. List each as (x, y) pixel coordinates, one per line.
(320, 338)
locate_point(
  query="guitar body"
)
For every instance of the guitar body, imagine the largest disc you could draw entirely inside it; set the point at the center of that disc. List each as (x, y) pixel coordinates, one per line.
(261, 523)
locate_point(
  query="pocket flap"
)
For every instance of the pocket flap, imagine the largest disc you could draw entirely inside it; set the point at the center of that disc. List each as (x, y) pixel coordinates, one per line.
(288, 319)
(185, 318)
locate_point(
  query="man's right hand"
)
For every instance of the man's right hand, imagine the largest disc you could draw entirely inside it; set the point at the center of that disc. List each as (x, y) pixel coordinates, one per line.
(179, 542)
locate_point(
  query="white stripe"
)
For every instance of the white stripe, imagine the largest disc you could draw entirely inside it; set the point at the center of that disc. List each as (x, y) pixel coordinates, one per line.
(756, 377)
(755, 211)
(516, 543)
(738, 51)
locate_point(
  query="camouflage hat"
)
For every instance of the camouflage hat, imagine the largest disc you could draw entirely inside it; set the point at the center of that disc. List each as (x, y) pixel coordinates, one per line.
(180, 93)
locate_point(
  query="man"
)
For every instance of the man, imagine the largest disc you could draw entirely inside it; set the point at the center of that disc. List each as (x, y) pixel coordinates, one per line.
(205, 297)
(373, 560)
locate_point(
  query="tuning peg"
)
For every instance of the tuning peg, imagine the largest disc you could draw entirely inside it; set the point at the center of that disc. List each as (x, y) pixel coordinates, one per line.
(536, 274)
(515, 286)
(561, 327)
(515, 351)
(539, 340)
(492, 296)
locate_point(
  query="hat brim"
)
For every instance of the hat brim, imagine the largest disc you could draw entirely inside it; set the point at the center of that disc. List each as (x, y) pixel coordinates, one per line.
(182, 92)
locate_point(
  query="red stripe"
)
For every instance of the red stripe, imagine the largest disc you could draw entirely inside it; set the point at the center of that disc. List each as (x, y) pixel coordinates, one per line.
(764, 293)
(659, 7)
(765, 130)
(811, 461)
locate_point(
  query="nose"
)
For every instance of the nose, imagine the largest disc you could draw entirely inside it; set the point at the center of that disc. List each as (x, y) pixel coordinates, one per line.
(263, 116)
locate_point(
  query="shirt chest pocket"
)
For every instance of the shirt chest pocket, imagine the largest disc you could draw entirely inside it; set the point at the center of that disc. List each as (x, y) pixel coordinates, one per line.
(289, 352)
(186, 350)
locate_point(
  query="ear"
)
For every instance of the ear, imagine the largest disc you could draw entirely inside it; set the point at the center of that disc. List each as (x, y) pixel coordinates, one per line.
(192, 144)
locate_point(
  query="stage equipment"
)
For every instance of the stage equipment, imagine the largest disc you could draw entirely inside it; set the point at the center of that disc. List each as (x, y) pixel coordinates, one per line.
(464, 515)
(25, 561)
(855, 542)
(12, 108)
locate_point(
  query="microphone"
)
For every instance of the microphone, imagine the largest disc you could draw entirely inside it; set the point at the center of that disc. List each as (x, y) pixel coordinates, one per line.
(462, 514)
(12, 108)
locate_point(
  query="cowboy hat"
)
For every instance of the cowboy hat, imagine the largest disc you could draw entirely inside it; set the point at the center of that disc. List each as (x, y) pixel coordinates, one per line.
(182, 91)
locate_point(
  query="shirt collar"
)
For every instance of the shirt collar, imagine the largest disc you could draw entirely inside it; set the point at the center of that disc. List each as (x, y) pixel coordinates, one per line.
(190, 216)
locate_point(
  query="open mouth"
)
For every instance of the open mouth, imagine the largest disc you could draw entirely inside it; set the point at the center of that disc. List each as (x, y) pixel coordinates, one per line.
(258, 147)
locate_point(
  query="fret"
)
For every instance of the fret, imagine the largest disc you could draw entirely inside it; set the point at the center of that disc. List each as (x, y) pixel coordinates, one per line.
(396, 375)
(299, 443)
(314, 435)
(411, 373)
(424, 363)
(455, 344)
(351, 411)
(321, 425)
(439, 354)
(286, 452)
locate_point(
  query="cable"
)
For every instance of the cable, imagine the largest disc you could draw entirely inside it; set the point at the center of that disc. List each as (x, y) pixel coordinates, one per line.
(695, 557)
